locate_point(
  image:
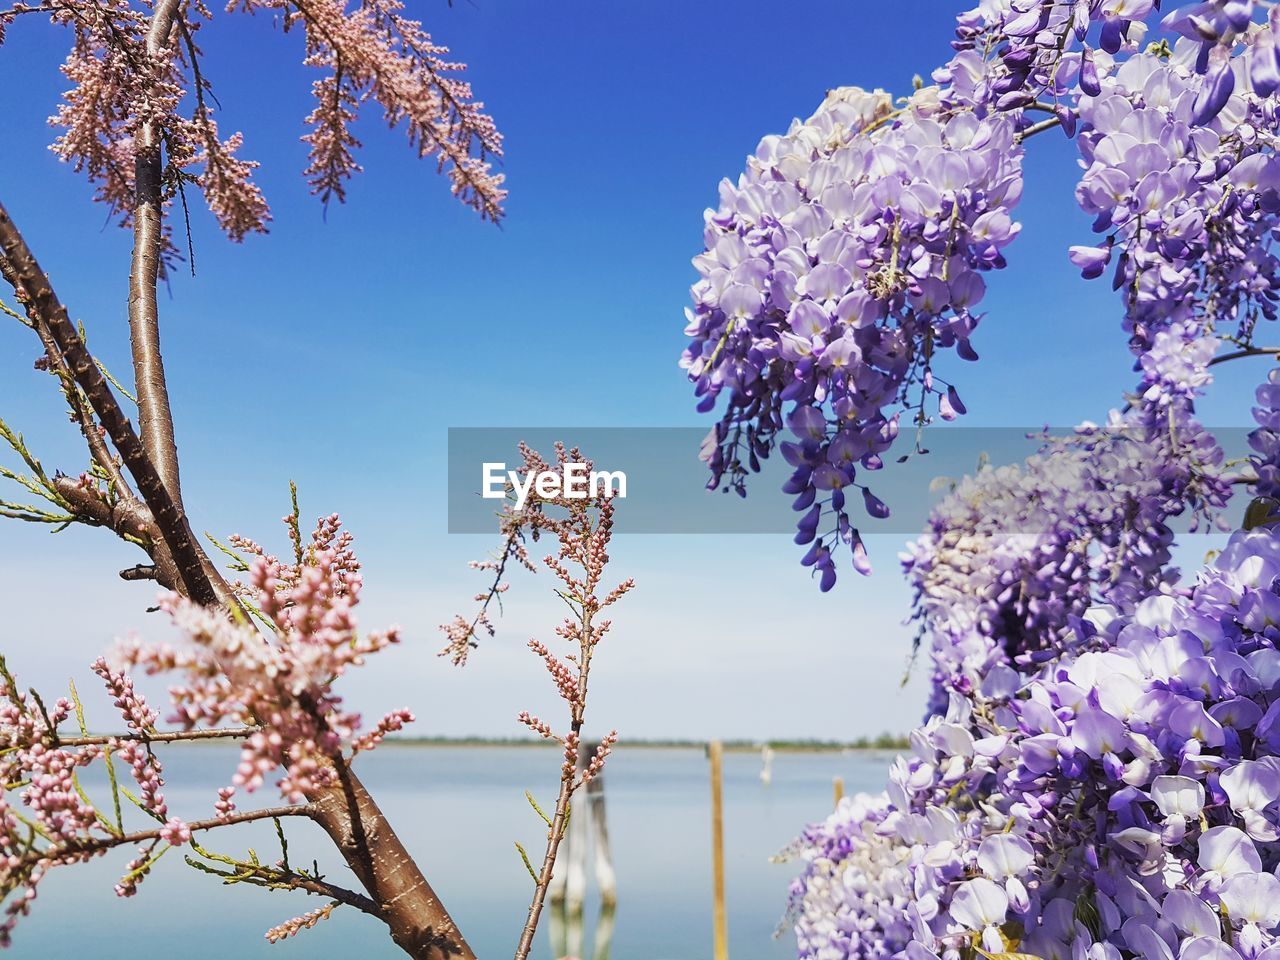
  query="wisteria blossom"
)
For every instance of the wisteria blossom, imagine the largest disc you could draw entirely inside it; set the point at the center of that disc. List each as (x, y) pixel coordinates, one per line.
(1015, 553)
(908, 204)
(1118, 800)
(848, 255)
(1097, 775)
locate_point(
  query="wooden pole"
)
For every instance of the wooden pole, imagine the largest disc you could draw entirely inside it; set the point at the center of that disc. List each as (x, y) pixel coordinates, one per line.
(606, 877)
(720, 921)
(837, 789)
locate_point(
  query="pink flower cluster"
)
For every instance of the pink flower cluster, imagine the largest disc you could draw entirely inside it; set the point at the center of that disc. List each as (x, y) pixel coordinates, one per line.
(280, 683)
(124, 82)
(582, 528)
(277, 681)
(53, 822)
(291, 928)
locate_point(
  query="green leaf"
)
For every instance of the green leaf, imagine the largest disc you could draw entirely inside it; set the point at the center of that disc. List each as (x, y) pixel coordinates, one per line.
(1261, 512)
(528, 865)
(537, 809)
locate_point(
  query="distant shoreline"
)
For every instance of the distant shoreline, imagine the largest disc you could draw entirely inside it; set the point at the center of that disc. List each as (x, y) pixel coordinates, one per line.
(881, 744)
(871, 744)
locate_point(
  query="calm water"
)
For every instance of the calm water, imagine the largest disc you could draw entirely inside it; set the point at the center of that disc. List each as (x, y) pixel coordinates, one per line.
(460, 812)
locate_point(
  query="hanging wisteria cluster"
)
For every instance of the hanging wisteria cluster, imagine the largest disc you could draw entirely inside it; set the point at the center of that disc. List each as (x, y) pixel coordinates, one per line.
(1118, 803)
(866, 231)
(1014, 553)
(1265, 440)
(1098, 776)
(848, 254)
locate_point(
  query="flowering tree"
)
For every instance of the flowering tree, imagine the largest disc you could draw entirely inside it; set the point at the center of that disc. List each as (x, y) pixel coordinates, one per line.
(1099, 771)
(261, 654)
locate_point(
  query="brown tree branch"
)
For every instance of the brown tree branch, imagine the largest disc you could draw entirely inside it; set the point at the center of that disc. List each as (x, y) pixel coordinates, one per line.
(167, 515)
(1035, 128)
(1245, 352)
(79, 407)
(155, 418)
(140, 571)
(277, 878)
(418, 921)
(173, 736)
(94, 845)
(559, 820)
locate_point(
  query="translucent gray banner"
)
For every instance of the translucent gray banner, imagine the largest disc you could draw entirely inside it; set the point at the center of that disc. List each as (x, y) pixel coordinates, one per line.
(665, 482)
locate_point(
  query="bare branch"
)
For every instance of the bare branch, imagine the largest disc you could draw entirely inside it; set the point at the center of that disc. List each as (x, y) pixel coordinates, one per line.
(418, 921)
(278, 879)
(1273, 352)
(139, 571)
(175, 736)
(79, 406)
(168, 516)
(85, 848)
(155, 418)
(1040, 127)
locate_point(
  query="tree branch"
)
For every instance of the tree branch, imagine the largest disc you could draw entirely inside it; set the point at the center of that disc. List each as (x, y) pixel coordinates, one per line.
(1246, 352)
(419, 923)
(79, 849)
(175, 736)
(155, 418)
(287, 879)
(559, 820)
(167, 515)
(1040, 127)
(79, 407)
(139, 571)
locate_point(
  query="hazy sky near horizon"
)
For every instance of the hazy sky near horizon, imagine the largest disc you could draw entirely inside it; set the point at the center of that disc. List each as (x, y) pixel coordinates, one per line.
(338, 350)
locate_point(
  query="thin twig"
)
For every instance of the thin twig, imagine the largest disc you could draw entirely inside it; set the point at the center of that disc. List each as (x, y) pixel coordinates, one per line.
(175, 736)
(1040, 127)
(1246, 352)
(96, 845)
(79, 406)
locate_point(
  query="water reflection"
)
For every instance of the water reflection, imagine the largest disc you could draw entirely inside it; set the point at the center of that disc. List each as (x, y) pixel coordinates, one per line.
(459, 810)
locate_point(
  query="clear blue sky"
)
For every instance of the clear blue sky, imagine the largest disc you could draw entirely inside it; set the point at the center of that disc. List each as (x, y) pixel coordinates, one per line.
(337, 351)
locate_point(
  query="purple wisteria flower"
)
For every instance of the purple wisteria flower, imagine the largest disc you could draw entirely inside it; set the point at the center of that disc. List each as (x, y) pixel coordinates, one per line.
(1017, 553)
(1098, 776)
(843, 261)
(1123, 801)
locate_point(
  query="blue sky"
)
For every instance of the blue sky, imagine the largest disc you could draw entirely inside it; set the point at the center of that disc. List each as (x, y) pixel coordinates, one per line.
(337, 350)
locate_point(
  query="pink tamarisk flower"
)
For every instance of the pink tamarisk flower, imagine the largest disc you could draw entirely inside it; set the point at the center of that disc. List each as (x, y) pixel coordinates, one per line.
(279, 681)
(582, 528)
(291, 928)
(175, 832)
(126, 88)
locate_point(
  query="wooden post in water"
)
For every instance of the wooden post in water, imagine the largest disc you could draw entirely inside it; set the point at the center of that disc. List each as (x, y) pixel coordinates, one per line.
(606, 878)
(715, 750)
(837, 789)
